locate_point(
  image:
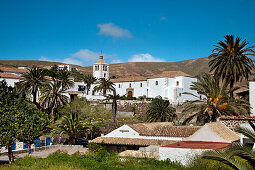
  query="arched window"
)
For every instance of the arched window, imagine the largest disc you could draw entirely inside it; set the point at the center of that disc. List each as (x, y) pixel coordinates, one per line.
(180, 94)
(177, 83)
(119, 85)
(104, 75)
(156, 83)
(141, 84)
(129, 84)
(97, 67)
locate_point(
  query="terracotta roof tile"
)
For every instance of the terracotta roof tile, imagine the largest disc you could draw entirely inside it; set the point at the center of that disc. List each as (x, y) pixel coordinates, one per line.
(131, 141)
(165, 74)
(199, 145)
(166, 129)
(223, 131)
(9, 75)
(171, 74)
(14, 70)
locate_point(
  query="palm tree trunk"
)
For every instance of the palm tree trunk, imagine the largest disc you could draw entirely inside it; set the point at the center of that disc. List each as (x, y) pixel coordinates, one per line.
(231, 85)
(10, 154)
(88, 87)
(114, 110)
(104, 92)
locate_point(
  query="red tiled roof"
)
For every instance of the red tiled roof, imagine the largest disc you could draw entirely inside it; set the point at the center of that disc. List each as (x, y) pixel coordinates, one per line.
(166, 129)
(13, 70)
(131, 141)
(198, 145)
(171, 74)
(9, 75)
(168, 74)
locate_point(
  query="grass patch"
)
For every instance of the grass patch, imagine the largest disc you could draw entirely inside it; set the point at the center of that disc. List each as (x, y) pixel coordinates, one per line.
(105, 160)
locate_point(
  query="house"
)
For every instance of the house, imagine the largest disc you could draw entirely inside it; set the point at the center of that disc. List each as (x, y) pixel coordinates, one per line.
(170, 85)
(13, 70)
(211, 136)
(134, 136)
(11, 79)
(67, 67)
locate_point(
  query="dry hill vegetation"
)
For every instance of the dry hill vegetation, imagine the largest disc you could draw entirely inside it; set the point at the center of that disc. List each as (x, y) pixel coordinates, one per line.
(192, 67)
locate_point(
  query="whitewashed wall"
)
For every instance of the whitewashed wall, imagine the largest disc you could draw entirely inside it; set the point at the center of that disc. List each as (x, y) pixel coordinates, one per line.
(121, 88)
(181, 155)
(10, 81)
(126, 132)
(252, 97)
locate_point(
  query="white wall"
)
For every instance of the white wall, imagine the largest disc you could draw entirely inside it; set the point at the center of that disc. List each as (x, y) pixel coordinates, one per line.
(181, 155)
(126, 132)
(121, 88)
(10, 81)
(100, 73)
(252, 97)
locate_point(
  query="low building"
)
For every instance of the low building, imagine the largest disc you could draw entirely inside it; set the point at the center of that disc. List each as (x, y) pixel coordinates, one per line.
(185, 151)
(11, 79)
(67, 67)
(132, 137)
(211, 136)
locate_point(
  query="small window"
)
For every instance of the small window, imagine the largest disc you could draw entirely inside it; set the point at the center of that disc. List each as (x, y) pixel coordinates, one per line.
(200, 97)
(129, 84)
(177, 83)
(119, 85)
(180, 94)
(104, 75)
(156, 83)
(81, 88)
(141, 84)
(96, 67)
(105, 68)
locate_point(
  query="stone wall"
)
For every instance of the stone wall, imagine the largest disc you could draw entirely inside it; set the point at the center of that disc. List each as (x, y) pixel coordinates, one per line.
(234, 122)
(138, 107)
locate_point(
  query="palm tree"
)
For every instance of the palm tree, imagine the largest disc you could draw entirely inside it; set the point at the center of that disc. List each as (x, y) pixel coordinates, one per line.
(159, 110)
(230, 60)
(33, 80)
(70, 124)
(236, 156)
(114, 97)
(104, 85)
(52, 96)
(89, 80)
(64, 77)
(215, 102)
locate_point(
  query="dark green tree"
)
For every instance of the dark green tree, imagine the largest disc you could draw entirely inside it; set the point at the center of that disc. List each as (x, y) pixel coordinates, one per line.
(33, 80)
(89, 80)
(213, 101)
(160, 111)
(104, 85)
(230, 60)
(114, 97)
(19, 119)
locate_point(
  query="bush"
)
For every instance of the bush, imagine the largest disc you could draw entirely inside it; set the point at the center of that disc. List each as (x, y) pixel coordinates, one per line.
(95, 148)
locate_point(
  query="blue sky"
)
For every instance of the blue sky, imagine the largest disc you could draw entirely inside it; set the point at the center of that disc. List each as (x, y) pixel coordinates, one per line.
(127, 31)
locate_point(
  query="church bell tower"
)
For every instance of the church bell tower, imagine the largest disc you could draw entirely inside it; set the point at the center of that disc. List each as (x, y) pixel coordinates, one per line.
(100, 68)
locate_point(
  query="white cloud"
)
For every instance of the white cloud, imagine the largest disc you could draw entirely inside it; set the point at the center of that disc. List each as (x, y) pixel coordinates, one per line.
(113, 30)
(44, 58)
(86, 55)
(66, 60)
(163, 18)
(116, 61)
(72, 61)
(144, 58)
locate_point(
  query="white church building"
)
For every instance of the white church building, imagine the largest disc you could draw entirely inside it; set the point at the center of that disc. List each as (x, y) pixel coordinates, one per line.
(169, 85)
